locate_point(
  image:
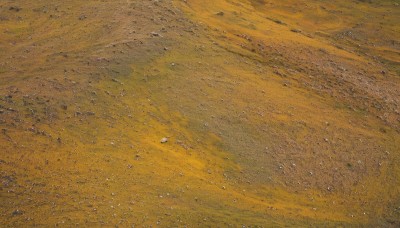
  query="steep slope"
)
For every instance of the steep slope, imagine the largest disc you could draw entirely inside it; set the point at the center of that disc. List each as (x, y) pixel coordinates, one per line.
(272, 119)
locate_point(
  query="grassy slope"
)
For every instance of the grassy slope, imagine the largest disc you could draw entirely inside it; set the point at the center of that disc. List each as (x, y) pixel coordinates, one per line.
(265, 126)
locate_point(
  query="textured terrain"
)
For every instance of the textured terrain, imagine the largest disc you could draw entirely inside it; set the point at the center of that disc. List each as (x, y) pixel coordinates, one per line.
(200, 113)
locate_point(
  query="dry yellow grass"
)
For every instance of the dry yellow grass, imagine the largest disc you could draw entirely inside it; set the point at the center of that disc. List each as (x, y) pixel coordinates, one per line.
(275, 114)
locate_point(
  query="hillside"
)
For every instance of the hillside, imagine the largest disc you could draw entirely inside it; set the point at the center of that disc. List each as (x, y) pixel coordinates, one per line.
(251, 113)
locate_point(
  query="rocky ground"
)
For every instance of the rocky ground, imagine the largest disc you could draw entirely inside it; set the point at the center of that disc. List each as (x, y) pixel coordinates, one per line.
(182, 113)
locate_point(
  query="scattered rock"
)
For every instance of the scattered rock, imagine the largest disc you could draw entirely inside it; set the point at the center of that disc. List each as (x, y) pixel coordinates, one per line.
(115, 80)
(296, 30)
(220, 13)
(164, 140)
(90, 113)
(15, 8)
(137, 157)
(17, 212)
(277, 21)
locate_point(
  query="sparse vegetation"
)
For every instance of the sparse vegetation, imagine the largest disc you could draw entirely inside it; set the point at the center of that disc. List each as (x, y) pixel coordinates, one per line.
(184, 113)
